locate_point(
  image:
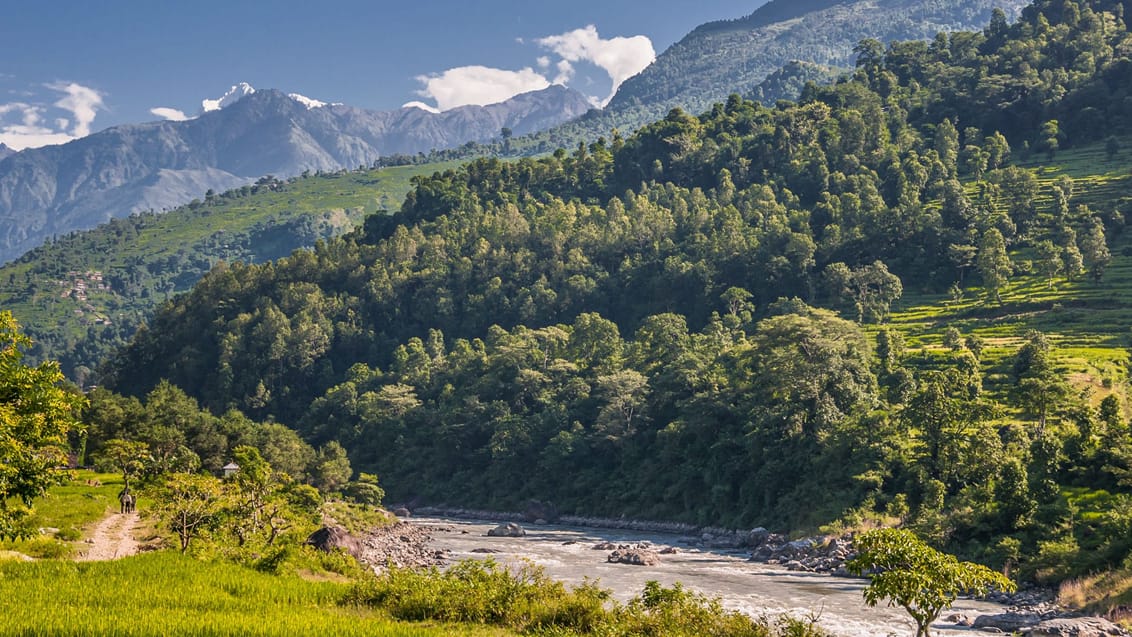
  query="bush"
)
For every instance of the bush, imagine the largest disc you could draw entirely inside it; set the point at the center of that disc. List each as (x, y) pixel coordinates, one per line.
(527, 600)
(69, 534)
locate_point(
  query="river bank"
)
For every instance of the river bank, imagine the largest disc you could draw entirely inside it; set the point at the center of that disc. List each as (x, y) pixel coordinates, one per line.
(568, 553)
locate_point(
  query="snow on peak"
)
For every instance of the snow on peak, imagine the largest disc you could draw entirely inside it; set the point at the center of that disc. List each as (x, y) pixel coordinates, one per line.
(422, 106)
(308, 102)
(234, 94)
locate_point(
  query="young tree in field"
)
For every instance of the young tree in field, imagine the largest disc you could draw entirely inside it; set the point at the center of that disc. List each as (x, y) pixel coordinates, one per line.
(36, 414)
(914, 576)
(127, 456)
(191, 505)
(993, 263)
(1050, 261)
(1094, 250)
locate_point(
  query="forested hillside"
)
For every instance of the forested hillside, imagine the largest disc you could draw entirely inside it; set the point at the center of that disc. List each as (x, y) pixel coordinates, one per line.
(84, 294)
(690, 323)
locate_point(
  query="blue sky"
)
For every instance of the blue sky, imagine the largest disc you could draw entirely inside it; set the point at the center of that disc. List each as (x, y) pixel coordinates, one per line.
(70, 67)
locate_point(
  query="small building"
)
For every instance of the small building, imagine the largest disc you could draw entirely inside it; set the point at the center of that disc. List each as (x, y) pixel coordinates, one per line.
(230, 469)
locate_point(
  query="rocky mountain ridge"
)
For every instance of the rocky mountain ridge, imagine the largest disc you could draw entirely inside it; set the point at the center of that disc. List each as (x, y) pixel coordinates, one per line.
(55, 190)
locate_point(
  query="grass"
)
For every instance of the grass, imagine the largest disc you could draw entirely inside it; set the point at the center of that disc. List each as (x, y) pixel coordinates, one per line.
(66, 515)
(1087, 322)
(356, 518)
(165, 593)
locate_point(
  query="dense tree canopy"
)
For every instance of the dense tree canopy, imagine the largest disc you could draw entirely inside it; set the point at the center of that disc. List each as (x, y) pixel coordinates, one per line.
(663, 325)
(37, 414)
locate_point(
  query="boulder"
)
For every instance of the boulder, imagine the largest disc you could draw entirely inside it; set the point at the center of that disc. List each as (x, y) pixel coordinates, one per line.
(1007, 622)
(757, 536)
(1075, 627)
(402, 512)
(329, 538)
(604, 546)
(636, 557)
(509, 529)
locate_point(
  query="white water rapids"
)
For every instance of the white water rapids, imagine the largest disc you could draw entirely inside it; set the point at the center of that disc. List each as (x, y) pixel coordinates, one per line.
(568, 555)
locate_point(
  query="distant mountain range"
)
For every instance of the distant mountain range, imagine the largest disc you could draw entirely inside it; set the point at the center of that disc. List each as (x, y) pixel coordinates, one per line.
(736, 56)
(55, 190)
(766, 55)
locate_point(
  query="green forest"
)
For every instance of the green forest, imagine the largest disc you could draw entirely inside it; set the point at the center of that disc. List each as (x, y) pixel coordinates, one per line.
(902, 298)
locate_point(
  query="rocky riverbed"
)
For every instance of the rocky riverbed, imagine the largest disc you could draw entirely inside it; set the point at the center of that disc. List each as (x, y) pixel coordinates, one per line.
(573, 554)
(757, 572)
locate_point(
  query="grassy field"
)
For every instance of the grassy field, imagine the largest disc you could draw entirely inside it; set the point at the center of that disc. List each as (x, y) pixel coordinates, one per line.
(66, 515)
(166, 593)
(1089, 323)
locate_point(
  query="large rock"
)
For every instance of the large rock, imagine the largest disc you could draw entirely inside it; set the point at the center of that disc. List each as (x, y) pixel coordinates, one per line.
(1075, 627)
(329, 538)
(507, 530)
(636, 557)
(1008, 622)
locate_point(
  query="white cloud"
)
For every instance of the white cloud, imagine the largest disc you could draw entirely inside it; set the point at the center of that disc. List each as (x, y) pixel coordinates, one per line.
(421, 105)
(83, 102)
(543, 62)
(620, 57)
(565, 72)
(24, 124)
(479, 85)
(171, 114)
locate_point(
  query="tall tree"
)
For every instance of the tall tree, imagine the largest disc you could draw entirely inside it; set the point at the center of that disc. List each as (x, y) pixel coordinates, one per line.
(993, 263)
(1094, 250)
(36, 416)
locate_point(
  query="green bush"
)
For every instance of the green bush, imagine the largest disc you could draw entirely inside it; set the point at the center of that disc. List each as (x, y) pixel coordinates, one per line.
(528, 601)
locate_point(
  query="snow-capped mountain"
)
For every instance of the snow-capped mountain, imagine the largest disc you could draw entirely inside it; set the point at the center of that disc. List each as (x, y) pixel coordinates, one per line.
(238, 138)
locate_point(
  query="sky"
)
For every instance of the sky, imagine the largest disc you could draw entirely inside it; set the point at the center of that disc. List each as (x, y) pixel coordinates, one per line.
(73, 67)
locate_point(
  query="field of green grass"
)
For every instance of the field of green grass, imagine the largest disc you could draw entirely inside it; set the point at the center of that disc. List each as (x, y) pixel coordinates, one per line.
(1089, 323)
(166, 593)
(66, 515)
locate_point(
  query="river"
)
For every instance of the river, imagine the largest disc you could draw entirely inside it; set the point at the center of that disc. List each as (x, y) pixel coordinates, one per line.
(568, 555)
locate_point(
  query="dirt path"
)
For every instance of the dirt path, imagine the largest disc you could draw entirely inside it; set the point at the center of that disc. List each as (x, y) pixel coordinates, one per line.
(112, 538)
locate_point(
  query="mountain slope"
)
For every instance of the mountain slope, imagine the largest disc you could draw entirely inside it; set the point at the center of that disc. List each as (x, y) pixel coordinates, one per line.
(734, 56)
(58, 189)
(83, 295)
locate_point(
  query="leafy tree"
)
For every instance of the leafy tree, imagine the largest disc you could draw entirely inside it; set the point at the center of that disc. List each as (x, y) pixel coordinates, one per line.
(1050, 138)
(1094, 250)
(126, 456)
(914, 576)
(36, 416)
(331, 468)
(191, 504)
(952, 339)
(993, 263)
(1050, 261)
(365, 490)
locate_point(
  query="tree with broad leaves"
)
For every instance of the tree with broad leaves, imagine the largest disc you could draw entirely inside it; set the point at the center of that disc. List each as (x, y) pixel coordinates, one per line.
(191, 504)
(921, 580)
(36, 415)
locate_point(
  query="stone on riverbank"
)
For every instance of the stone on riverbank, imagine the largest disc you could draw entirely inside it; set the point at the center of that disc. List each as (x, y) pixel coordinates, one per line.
(1075, 627)
(507, 530)
(635, 557)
